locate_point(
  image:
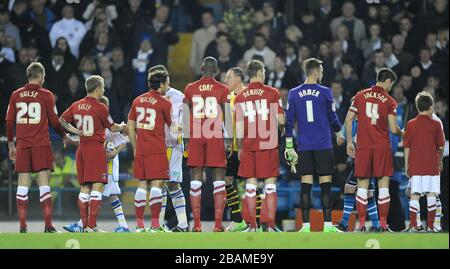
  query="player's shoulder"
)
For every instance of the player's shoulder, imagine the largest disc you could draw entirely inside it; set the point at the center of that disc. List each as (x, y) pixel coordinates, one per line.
(174, 93)
(138, 98)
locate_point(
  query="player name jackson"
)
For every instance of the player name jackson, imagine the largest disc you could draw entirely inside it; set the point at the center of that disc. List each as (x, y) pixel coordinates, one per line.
(31, 94)
(378, 96)
(228, 258)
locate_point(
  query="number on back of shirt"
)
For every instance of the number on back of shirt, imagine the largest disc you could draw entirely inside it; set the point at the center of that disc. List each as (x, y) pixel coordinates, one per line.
(252, 109)
(85, 123)
(28, 113)
(372, 112)
(204, 108)
(146, 118)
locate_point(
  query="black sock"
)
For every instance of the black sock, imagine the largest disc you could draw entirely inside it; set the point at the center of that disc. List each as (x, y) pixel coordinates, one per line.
(233, 203)
(258, 207)
(326, 201)
(305, 197)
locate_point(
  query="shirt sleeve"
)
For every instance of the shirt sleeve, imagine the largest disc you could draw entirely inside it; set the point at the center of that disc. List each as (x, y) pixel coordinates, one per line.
(290, 114)
(11, 112)
(118, 139)
(52, 114)
(407, 137)
(105, 118)
(68, 115)
(331, 111)
(167, 113)
(392, 107)
(354, 106)
(187, 95)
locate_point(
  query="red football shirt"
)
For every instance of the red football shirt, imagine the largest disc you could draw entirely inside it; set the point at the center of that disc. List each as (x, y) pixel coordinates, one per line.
(151, 111)
(205, 98)
(373, 106)
(258, 106)
(91, 117)
(423, 137)
(32, 108)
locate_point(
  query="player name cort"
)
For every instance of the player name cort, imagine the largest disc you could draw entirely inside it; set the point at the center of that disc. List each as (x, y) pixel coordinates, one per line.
(309, 92)
(378, 96)
(147, 99)
(31, 94)
(205, 87)
(249, 92)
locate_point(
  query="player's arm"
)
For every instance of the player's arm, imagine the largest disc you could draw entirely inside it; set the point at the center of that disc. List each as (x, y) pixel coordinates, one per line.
(393, 126)
(131, 126)
(351, 115)
(10, 122)
(441, 145)
(69, 127)
(290, 116)
(334, 120)
(406, 153)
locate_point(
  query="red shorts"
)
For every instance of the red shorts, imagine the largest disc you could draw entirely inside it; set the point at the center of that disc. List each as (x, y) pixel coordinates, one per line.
(207, 153)
(259, 164)
(92, 164)
(151, 166)
(373, 163)
(35, 159)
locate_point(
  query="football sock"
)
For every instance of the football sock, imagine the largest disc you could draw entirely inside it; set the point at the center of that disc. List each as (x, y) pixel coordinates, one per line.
(419, 220)
(45, 197)
(373, 212)
(413, 209)
(155, 205)
(361, 206)
(179, 204)
(250, 195)
(118, 211)
(271, 203)
(95, 202)
(431, 205)
(437, 218)
(22, 205)
(140, 200)
(383, 205)
(219, 202)
(349, 203)
(258, 207)
(306, 201)
(163, 207)
(196, 202)
(233, 203)
(326, 200)
(83, 206)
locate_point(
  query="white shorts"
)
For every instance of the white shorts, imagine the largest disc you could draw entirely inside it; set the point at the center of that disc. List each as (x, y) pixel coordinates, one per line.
(175, 164)
(424, 184)
(112, 188)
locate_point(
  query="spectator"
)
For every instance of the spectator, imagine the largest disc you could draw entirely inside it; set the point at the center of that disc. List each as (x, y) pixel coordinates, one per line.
(406, 83)
(105, 70)
(260, 48)
(7, 47)
(436, 17)
(211, 49)
(70, 28)
(57, 70)
(32, 33)
(355, 26)
(405, 59)
(161, 33)
(123, 75)
(102, 45)
(348, 47)
(145, 58)
(412, 43)
(9, 28)
(390, 59)
(63, 45)
(280, 78)
(333, 63)
(341, 102)
(423, 68)
(308, 26)
(200, 40)
(19, 13)
(73, 91)
(277, 21)
(293, 34)
(273, 43)
(349, 80)
(225, 59)
(369, 74)
(99, 12)
(324, 14)
(387, 26)
(290, 58)
(86, 69)
(41, 14)
(324, 50)
(442, 55)
(431, 42)
(238, 19)
(17, 73)
(372, 43)
(89, 41)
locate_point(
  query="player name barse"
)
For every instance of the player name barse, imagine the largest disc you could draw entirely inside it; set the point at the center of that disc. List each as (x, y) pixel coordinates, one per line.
(147, 99)
(309, 92)
(374, 95)
(32, 94)
(250, 92)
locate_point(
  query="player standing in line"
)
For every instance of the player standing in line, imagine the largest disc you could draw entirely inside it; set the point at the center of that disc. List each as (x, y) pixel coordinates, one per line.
(175, 150)
(259, 115)
(91, 118)
(206, 100)
(31, 109)
(115, 143)
(376, 111)
(424, 147)
(146, 121)
(311, 106)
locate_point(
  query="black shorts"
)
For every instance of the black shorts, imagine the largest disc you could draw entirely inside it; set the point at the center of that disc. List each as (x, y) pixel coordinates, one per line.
(353, 181)
(317, 162)
(232, 165)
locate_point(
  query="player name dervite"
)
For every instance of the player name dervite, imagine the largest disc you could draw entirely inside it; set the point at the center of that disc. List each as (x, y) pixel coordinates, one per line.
(253, 92)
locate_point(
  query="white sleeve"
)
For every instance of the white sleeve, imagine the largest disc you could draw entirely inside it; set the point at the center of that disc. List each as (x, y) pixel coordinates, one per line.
(118, 139)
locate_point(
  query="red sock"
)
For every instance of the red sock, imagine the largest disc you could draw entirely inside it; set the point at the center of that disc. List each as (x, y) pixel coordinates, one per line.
(412, 217)
(196, 202)
(271, 207)
(22, 206)
(84, 212)
(220, 199)
(431, 216)
(139, 210)
(250, 197)
(155, 210)
(140, 201)
(94, 210)
(361, 207)
(47, 210)
(383, 210)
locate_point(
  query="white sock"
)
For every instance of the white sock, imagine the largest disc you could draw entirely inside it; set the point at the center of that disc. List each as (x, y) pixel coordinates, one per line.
(118, 212)
(179, 204)
(437, 218)
(44, 193)
(163, 207)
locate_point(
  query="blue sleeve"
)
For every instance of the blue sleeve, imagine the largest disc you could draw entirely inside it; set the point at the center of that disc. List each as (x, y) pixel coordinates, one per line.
(290, 114)
(331, 111)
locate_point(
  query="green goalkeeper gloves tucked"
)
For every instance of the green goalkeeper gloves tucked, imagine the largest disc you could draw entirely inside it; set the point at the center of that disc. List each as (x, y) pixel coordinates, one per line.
(291, 155)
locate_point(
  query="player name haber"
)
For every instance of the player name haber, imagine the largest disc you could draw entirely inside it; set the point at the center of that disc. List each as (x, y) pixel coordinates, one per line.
(147, 99)
(229, 258)
(378, 96)
(309, 92)
(250, 92)
(31, 94)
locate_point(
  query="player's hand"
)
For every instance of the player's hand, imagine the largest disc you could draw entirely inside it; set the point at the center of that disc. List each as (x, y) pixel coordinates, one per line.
(230, 153)
(289, 152)
(70, 141)
(12, 151)
(351, 150)
(407, 172)
(339, 139)
(124, 128)
(239, 154)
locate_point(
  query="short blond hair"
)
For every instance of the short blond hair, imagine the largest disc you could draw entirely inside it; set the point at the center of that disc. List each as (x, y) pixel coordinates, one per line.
(35, 70)
(93, 82)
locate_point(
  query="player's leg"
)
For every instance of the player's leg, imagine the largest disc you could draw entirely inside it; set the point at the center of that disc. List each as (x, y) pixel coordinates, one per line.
(195, 196)
(306, 162)
(250, 198)
(414, 208)
(233, 201)
(220, 197)
(384, 199)
(437, 219)
(83, 203)
(22, 199)
(431, 205)
(45, 198)
(324, 162)
(95, 202)
(140, 201)
(155, 203)
(271, 198)
(259, 202)
(372, 209)
(116, 205)
(361, 201)
(162, 214)
(349, 201)
(383, 169)
(179, 204)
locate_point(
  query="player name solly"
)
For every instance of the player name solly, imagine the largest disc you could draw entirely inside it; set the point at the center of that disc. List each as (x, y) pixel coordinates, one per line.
(250, 92)
(31, 94)
(378, 96)
(146, 99)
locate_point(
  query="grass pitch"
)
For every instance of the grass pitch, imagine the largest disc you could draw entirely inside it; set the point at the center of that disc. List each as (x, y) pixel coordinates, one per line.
(224, 241)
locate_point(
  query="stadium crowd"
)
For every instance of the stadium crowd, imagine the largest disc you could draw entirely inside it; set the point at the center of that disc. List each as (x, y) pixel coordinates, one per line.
(121, 40)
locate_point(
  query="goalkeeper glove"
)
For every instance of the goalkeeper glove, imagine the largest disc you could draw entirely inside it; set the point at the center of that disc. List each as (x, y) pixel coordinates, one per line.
(291, 155)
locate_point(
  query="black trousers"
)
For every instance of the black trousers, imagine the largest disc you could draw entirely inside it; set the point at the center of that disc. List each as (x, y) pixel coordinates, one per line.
(396, 217)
